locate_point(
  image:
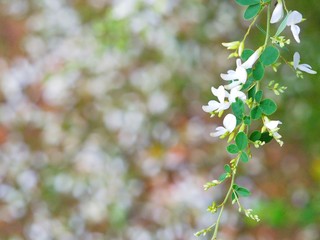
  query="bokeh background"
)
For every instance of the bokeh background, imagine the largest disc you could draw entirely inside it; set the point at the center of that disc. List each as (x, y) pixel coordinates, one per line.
(102, 135)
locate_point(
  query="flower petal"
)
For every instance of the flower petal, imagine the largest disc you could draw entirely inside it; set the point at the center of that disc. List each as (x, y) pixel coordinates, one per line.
(231, 75)
(277, 13)
(221, 94)
(306, 68)
(212, 106)
(219, 131)
(214, 91)
(276, 135)
(232, 85)
(294, 18)
(223, 106)
(252, 59)
(295, 32)
(234, 93)
(241, 73)
(296, 60)
(271, 125)
(230, 122)
(238, 62)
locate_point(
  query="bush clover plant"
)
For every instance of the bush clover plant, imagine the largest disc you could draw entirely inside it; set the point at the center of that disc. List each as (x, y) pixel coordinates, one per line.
(241, 98)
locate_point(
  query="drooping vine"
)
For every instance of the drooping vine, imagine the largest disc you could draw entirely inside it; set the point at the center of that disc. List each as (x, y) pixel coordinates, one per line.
(241, 98)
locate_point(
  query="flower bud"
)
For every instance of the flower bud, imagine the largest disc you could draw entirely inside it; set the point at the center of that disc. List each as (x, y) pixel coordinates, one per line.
(231, 45)
(240, 49)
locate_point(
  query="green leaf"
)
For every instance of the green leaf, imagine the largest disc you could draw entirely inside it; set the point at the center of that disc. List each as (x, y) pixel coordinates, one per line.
(268, 106)
(244, 157)
(247, 2)
(238, 109)
(258, 71)
(252, 92)
(234, 196)
(241, 141)
(223, 176)
(227, 168)
(265, 137)
(254, 136)
(282, 25)
(258, 96)
(269, 56)
(235, 187)
(247, 120)
(246, 54)
(248, 83)
(252, 11)
(233, 149)
(243, 192)
(256, 113)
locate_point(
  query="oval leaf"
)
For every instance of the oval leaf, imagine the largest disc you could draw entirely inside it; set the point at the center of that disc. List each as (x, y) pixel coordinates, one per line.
(241, 141)
(247, 2)
(256, 135)
(223, 176)
(248, 84)
(258, 96)
(233, 149)
(258, 71)
(238, 109)
(243, 192)
(244, 157)
(265, 137)
(252, 11)
(247, 120)
(268, 106)
(256, 113)
(234, 196)
(246, 54)
(269, 56)
(252, 92)
(227, 168)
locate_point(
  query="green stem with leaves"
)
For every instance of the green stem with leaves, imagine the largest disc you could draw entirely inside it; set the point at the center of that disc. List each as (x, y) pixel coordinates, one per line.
(215, 233)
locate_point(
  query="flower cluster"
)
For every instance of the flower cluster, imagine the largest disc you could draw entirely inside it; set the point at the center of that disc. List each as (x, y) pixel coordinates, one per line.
(291, 20)
(242, 95)
(236, 79)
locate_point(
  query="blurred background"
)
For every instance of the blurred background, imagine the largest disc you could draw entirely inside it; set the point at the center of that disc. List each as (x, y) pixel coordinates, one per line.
(102, 135)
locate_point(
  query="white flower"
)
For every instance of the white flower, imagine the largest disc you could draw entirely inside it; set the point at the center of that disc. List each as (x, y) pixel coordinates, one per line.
(294, 18)
(236, 93)
(213, 105)
(272, 127)
(277, 13)
(252, 59)
(229, 124)
(302, 67)
(239, 76)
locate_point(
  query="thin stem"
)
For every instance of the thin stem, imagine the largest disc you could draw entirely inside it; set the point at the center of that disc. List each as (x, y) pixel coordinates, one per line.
(286, 62)
(249, 28)
(268, 27)
(284, 5)
(214, 237)
(215, 233)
